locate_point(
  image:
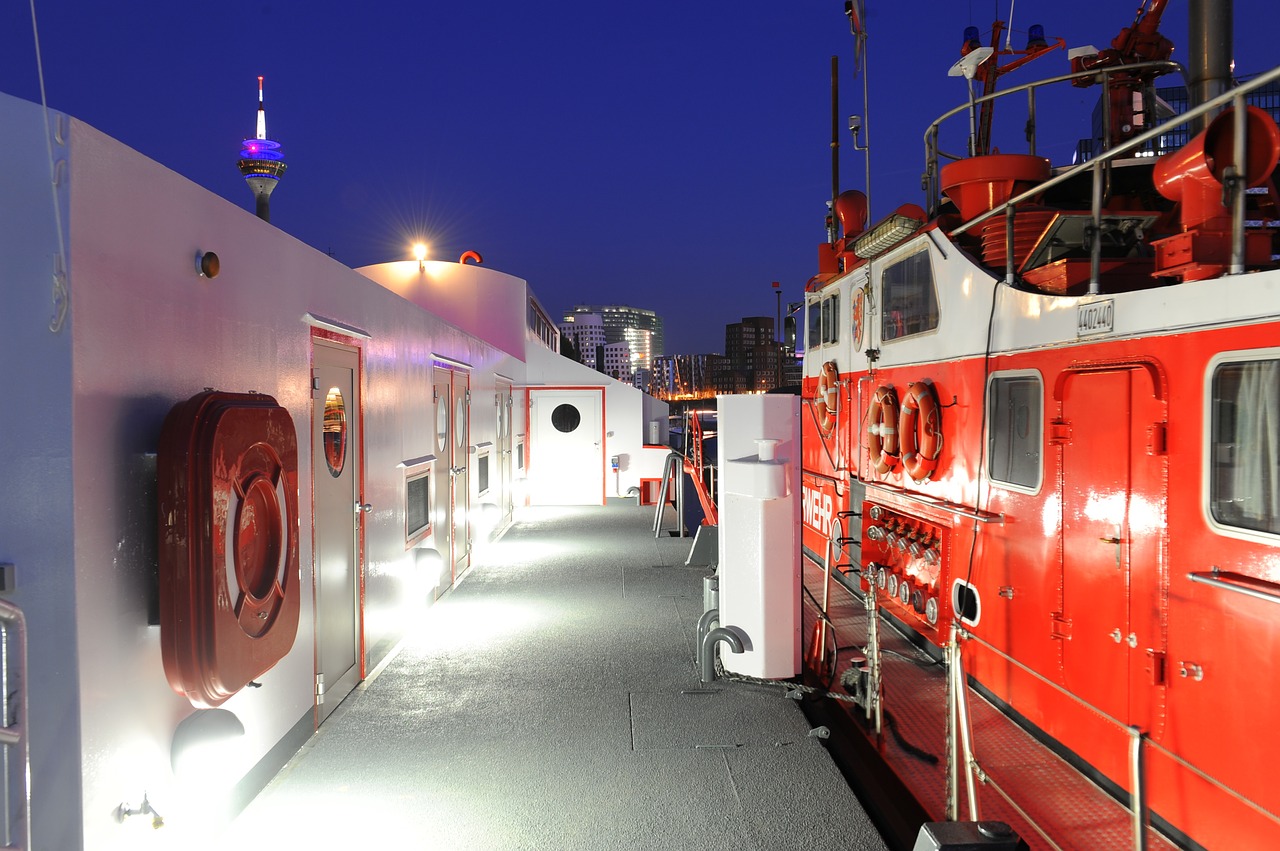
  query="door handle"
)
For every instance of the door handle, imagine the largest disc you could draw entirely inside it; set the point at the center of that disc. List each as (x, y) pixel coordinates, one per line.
(363, 507)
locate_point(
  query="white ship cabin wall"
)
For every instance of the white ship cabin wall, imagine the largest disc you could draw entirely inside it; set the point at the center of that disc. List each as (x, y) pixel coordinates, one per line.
(496, 306)
(83, 410)
(631, 419)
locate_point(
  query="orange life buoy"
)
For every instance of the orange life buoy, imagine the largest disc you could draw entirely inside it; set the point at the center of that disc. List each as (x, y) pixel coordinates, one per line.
(882, 429)
(827, 398)
(920, 431)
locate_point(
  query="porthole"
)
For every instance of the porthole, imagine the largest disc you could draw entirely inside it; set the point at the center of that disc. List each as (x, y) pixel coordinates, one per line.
(335, 432)
(460, 422)
(566, 418)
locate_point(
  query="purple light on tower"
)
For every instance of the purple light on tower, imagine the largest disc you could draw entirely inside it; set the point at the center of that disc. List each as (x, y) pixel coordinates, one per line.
(262, 162)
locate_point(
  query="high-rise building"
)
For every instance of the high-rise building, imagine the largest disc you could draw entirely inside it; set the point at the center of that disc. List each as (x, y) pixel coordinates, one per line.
(586, 330)
(640, 329)
(753, 354)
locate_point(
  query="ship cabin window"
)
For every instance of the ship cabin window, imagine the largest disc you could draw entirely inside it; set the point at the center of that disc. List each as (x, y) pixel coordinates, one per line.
(1244, 452)
(417, 505)
(831, 319)
(1015, 430)
(908, 296)
(482, 474)
(824, 321)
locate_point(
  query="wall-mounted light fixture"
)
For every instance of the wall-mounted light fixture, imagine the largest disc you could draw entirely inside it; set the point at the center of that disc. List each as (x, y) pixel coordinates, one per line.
(420, 254)
(207, 264)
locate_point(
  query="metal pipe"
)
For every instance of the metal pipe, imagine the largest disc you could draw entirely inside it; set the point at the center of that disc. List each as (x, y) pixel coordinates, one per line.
(667, 477)
(1095, 241)
(966, 733)
(1031, 121)
(835, 146)
(1213, 578)
(1237, 185)
(708, 664)
(953, 762)
(1008, 246)
(1138, 799)
(1209, 52)
(709, 617)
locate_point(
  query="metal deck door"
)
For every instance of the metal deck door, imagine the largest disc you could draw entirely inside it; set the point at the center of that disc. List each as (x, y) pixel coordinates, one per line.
(451, 472)
(336, 451)
(566, 447)
(1112, 506)
(504, 404)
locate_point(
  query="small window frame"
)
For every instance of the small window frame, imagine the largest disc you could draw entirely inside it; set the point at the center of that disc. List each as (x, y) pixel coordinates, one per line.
(1220, 526)
(417, 470)
(891, 290)
(1017, 375)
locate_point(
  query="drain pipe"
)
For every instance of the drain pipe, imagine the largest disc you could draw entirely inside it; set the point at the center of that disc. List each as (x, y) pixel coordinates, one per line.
(709, 617)
(709, 641)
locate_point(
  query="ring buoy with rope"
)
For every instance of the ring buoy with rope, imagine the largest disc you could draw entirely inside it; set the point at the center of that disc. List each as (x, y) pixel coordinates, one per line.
(920, 431)
(882, 429)
(827, 399)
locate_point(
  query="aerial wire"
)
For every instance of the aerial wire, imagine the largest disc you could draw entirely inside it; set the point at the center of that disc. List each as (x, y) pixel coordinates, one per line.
(61, 297)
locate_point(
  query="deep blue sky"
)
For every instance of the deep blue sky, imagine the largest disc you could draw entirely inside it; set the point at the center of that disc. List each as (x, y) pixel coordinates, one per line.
(672, 155)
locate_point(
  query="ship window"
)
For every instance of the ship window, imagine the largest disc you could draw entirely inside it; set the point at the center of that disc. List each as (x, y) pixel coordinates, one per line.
(335, 432)
(565, 418)
(1244, 488)
(910, 303)
(417, 506)
(815, 325)
(831, 319)
(1015, 426)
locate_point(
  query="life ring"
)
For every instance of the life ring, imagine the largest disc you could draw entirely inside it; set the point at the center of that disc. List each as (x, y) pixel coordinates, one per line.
(920, 431)
(827, 398)
(882, 429)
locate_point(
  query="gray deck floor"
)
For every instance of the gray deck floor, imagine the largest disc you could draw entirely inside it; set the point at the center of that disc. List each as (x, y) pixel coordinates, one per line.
(551, 700)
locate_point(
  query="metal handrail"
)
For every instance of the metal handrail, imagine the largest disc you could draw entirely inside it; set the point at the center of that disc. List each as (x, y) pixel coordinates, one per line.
(14, 732)
(1215, 578)
(1137, 743)
(933, 152)
(1102, 161)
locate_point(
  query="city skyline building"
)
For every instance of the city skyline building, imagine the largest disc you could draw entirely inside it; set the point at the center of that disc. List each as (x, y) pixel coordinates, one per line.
(639, 328)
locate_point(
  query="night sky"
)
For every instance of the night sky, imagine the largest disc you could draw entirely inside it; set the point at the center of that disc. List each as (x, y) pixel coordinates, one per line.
(668, 155)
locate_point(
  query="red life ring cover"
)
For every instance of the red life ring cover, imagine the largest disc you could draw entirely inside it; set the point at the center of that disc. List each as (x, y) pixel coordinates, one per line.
(227, 471)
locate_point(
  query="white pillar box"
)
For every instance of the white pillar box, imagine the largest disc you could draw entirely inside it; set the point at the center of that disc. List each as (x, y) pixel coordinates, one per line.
(759, 460)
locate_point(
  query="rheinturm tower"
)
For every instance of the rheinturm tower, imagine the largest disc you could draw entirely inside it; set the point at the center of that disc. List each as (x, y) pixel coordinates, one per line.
(262, 162)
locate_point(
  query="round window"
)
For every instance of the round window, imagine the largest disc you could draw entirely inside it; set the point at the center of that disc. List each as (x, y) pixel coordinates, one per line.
(566, 418)
(335, 432)
(460, 422)
(442, 422)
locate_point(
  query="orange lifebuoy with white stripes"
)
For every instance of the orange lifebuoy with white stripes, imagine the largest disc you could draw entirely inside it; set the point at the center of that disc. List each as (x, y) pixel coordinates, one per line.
(920, 431)
(882, 429)
(827, 399)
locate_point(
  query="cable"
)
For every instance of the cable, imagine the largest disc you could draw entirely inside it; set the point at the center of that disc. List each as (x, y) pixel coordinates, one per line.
(61, 296)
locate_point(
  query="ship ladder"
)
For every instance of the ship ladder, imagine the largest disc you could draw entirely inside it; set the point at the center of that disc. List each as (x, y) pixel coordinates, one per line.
(15, 744)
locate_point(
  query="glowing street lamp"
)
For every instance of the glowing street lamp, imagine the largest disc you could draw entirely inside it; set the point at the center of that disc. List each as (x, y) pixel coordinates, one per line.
(420, 254)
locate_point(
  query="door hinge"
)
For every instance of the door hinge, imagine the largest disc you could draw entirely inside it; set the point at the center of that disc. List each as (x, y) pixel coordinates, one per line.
(435, 394)
(1059, 626)
(319, 689)
(467, 396)
(1059, 432)
(315, 382)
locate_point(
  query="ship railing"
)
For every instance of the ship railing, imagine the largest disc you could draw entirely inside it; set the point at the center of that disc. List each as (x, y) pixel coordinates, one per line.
(1100, 167)
(933, 152)
(15, 748)
(960, 749)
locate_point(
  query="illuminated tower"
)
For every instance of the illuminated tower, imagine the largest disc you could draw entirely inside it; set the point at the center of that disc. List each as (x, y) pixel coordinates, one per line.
(262, 162)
